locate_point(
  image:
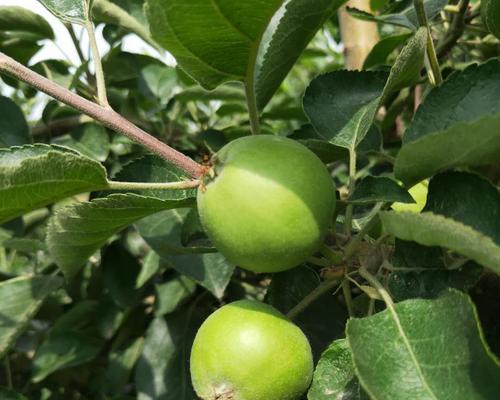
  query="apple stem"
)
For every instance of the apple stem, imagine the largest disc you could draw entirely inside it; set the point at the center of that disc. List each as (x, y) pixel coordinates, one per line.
(106, 116)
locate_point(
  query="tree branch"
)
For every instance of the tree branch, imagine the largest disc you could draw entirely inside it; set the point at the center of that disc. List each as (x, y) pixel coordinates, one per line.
(107, 117)
(456, 30)
(59, 127)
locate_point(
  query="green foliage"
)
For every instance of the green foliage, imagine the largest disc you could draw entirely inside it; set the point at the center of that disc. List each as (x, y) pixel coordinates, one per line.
(437, 340)
(490, 13)
(106, 274)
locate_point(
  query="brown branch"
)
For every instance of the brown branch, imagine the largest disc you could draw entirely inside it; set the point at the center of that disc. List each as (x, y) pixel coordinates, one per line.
(107, 117)
(456, 30)
(59, 127)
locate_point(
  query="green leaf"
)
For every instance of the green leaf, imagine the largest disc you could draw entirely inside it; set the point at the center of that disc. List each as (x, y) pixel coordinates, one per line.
(161, 80)
(89, 139)
(73, 11)
(20, 19)
(288, 288)
(467, 198)
(406, 18)
(63, 350)
(6, 394)
(151, 264)
(288, 34)
(430, 229)
(14, 130)
(419, 272)
(256, 42)
(79, 230)
(120, 270)
(21, 299)
(162, 372)
(425, 349)
(34, 176)
(170, 295)
(334, 377)
(458, 125)
(381, 51)
(120, 366)
(490, 14)
(406, 69)
(342, 104)
(379, 189)
(163, 232)
(111, 13)
(222, 93)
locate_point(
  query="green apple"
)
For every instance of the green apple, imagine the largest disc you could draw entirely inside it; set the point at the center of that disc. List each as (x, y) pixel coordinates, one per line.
(248, 350)
(419, 194)
(267, 203)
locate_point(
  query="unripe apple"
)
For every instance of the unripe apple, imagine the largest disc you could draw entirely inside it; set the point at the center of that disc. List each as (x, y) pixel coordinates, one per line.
(248, 350)
(267, 204)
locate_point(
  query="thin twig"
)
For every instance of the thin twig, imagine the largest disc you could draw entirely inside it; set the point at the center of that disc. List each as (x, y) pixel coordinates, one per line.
(59, 127)
(434, 71)
(320, 290)
(102, 95)
(456, 30)
(8, 373)
(81, 57)
(372, 280)
(352, 185)
(107, 117)
(346, 290)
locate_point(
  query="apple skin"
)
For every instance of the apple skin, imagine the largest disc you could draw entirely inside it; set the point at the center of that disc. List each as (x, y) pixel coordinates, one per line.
(248, 350)
(269, 205)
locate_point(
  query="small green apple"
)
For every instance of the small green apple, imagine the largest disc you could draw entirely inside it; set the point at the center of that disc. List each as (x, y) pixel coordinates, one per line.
(268, 203)
(419, 194)
(248, 350)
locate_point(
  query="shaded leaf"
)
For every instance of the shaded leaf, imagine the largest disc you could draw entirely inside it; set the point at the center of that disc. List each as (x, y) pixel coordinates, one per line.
(170, 295)
(21, 299)
(14, 130)
(323, 321)
(120, 270)
(64, 350)
(379, 189)
(90, 139)
(6, 394)
(77, 231)
(381, 51)
(162, 372)
(163, 233)
(419, 271)
(406, 18)
(425, 349)
(120, 366)
(467, 198)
